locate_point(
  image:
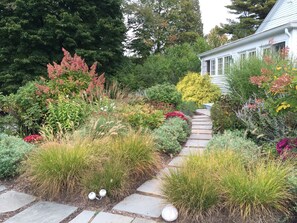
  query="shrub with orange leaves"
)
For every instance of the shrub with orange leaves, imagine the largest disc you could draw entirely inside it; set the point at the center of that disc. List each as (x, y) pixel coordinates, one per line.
(279, 80)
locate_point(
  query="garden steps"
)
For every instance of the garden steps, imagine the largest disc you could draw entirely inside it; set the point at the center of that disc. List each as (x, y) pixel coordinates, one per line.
(144, 206)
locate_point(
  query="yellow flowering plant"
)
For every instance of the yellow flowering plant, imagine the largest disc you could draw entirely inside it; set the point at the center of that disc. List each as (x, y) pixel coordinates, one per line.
(279, 80)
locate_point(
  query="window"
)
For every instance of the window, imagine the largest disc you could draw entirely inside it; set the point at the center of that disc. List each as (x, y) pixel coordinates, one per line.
(220, 66)
(266, 51)
(242, 56)
(278, 47)
(205, 66)
(213, 67)
(227, 64)
(252, 53)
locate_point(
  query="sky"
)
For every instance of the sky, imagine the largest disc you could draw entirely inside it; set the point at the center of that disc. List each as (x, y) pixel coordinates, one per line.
(213, 12)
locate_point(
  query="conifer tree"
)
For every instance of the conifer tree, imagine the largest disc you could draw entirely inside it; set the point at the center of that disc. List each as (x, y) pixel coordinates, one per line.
(250, 15)
(33, 32)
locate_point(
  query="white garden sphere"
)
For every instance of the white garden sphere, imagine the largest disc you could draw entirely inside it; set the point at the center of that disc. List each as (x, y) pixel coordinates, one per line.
(102, 193)
(92, 196)
(169, 213)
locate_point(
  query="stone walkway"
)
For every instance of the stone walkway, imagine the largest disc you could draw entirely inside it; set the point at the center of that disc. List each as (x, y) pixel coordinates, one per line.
(144, 206)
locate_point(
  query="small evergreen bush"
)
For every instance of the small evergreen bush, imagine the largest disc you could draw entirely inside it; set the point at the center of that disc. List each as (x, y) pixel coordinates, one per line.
(12, 152)
(169, 136)
(235, 140)
(164, 93)
(198, 88)
(188, 107)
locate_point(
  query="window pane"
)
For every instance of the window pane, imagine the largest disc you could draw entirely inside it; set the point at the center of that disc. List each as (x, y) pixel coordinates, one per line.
(227, 64)
(220, 66)
(212, 67)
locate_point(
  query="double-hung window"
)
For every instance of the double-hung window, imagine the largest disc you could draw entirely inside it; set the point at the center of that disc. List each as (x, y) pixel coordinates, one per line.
(220, 66)
(227, 64)
(213, 67)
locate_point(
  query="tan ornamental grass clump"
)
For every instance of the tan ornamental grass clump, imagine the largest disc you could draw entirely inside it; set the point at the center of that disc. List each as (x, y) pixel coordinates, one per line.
(84, 165)
(222, 182)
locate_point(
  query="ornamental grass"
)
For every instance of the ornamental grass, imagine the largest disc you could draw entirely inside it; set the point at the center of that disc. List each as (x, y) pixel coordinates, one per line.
(222, 182)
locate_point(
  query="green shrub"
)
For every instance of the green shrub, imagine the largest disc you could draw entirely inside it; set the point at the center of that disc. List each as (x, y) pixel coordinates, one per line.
(144, 116)
(26, 107)
(198, 88)
(220, 180)
(66, 115)
(264, 126)
(236, 141)
(8, 124)
(187, 107)
(238, 79)
(169, 136)
(12, 152)
(164, 93)
(223, 114)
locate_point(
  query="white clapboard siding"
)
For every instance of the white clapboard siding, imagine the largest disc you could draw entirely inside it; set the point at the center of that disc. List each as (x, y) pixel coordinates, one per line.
(284, 11)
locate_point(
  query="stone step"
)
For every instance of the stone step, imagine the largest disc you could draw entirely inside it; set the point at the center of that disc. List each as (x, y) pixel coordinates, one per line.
(152, 187)
(83, 217)
(196, 143)
(177, 161)
(203, 127)
(200, 136)
(2, 188)
(12, 201)
(201, 131)
(142, 220)
(43, 212)
(143, 205)
(187, 151)
(104, 217)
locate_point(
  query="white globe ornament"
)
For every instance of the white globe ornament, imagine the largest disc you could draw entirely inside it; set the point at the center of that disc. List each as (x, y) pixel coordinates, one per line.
(102, 193)
(169, 213)
(92, 196)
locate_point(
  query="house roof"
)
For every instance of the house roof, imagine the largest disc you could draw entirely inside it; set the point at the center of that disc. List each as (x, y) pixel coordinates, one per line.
(272, 13)
(251, 38)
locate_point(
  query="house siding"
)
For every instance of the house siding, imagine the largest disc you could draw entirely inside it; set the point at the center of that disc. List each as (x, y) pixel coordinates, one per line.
(286, 12)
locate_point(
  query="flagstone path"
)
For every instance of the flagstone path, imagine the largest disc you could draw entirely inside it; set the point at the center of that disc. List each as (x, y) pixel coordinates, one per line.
(144, 206)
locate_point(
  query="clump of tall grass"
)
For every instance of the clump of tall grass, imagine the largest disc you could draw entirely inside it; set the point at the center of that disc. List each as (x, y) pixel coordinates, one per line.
(78, 165)
(223, 180)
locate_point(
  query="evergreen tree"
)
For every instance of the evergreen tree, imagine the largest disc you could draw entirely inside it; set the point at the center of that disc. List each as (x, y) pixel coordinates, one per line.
(250, 13)
(158, 24)
(33, 33)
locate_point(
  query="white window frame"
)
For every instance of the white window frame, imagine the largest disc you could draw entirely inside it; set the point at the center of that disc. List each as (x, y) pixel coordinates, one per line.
(228, 60)
(252, 53)
(221, 66)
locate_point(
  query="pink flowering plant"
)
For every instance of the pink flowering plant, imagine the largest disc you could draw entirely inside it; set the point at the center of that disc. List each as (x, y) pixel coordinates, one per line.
(279, 80)
(71, 78)
(287, 147)
(33, 138)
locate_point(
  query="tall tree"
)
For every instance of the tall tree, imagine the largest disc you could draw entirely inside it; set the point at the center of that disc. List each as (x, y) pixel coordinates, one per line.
(33, 32)
(215, 39)
(250, 15)
(157, 24)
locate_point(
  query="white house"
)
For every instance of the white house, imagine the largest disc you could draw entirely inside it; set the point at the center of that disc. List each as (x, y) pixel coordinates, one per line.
(278, 30)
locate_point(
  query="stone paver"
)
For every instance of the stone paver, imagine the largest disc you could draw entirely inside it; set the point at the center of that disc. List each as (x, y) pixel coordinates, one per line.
(43, 212)
(191, 151)
(205, 127)
(2, 188)
(83, 217)
(206, 122)
(152, 187)
(200, 136)
(12, 201)
(104, 217)
(166, 171)
(203, 111)
(201, 131)
(141, 204)
(196, 143)
(177, 161)
(142, 220)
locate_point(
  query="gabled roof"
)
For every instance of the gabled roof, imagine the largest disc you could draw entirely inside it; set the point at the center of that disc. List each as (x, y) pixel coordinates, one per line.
(282, 12)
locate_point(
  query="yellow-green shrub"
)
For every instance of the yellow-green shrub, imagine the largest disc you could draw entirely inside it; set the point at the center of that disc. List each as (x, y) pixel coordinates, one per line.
(198, 88)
